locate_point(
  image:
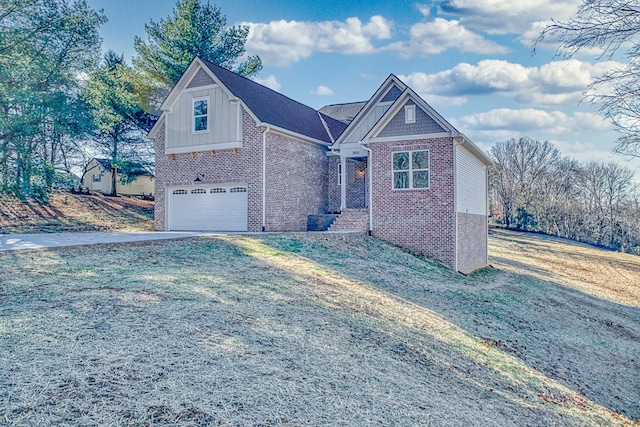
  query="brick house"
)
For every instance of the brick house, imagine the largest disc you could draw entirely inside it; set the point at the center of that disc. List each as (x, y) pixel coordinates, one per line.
(233, 155)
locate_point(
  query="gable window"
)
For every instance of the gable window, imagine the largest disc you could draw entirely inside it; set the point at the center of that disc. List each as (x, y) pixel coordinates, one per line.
(410, 114)
(201, 115)
(410, 169)
(97, 177)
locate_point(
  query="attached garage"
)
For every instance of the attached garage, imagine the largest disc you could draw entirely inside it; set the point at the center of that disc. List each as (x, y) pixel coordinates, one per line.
(208, 207)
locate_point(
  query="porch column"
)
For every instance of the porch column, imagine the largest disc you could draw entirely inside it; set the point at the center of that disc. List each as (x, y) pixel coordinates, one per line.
(343, 182)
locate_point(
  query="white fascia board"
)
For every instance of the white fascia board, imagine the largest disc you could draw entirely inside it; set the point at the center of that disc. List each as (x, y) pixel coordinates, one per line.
(399, 103)
(295, 135)
(204, 147)
(374, 100)
(182, 83)
(153, 133)
(407, 137)
(352, 149)
(475, 150)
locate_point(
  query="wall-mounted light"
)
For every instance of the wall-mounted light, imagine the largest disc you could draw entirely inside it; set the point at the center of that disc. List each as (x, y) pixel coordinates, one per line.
(361, 173)
(199, 177)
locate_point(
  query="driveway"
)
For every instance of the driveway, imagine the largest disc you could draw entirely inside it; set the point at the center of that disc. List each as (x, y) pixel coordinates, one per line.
(10, 242)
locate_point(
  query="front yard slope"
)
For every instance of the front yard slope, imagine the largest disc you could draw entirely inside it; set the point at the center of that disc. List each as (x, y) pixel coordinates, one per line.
(76, 212)
(305, 329)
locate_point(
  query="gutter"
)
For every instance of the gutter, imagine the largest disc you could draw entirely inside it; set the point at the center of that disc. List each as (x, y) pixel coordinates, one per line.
(264, 178)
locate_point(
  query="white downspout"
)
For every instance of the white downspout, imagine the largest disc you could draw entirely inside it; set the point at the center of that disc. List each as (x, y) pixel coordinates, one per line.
(343, 182)
(370, 185)
(264, 178)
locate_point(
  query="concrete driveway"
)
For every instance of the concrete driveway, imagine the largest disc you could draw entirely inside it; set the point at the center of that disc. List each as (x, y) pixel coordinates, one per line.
(10, 242)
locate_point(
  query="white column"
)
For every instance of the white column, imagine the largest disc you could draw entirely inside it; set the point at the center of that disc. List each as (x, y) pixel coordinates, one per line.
(343, 181)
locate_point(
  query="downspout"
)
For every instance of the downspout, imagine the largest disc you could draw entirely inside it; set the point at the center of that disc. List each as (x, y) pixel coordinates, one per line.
(456, 142)
(264, 178)
(370, 185)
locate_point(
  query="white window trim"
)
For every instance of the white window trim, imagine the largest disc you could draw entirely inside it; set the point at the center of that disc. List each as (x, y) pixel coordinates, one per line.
(410, 170)
(193, 116)
(409, 114)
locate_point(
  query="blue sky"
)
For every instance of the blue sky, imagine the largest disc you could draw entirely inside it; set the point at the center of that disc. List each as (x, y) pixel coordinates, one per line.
(472, 60)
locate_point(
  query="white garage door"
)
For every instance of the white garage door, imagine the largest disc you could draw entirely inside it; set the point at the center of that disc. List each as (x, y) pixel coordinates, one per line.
(208, 207)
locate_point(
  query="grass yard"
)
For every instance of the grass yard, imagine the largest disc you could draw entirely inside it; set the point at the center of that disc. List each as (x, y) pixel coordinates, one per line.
(318, 329)
(76, 212)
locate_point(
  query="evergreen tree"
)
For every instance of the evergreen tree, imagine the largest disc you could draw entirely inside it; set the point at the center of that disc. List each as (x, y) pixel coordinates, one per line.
(192, 30)
(114, 91)
(44, 46)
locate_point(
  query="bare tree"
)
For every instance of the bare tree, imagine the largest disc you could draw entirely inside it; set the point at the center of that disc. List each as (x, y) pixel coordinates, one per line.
(609, 26)
(516, 176)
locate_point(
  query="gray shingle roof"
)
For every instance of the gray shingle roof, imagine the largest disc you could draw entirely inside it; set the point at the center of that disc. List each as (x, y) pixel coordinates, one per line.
(343, 112)
(271, 107)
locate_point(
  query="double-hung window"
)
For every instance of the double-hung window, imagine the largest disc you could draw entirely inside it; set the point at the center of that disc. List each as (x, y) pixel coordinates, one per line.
(201, 115)
(410, 169)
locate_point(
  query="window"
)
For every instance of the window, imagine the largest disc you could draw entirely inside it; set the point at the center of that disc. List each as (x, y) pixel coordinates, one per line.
(410, 114)
(180, 192)
(410, 169)
(218, 190)
(97, 177)
(238, 190)
(340, 174)
(201, 115)
(199, 191)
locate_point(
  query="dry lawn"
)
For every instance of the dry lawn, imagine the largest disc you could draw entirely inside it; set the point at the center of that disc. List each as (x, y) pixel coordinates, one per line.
(311, 329)
(76, 212)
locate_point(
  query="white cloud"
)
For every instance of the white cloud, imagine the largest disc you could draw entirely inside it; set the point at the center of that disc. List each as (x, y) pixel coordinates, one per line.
(508, 17)
(322, 91)
(282, 42)
(555, 83)
(438, 35)
(269, 81)
(504, 123)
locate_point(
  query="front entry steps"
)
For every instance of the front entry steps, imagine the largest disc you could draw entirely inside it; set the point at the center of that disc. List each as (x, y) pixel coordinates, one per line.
(352, 221)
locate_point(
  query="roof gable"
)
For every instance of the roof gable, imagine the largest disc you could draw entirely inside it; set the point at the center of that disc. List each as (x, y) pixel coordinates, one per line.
(409, 96)
(267, 106)
(388, 89)
(432, 122)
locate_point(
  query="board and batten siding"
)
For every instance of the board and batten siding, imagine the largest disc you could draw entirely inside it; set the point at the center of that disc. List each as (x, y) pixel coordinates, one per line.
(471, 183)
(224, 123)
(365, 126)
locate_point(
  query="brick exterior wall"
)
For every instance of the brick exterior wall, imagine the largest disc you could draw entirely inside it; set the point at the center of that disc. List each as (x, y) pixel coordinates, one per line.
(296, 183)
(356, 190)
(224, 167)
(420, 220)
(472, 242)
(296, 177)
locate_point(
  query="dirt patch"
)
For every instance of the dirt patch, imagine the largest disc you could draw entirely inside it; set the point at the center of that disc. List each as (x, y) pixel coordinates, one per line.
(308, 329)
(68, 212)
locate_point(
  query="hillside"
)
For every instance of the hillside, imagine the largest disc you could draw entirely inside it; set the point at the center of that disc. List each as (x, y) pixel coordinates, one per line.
(76, 212)
(318, 329)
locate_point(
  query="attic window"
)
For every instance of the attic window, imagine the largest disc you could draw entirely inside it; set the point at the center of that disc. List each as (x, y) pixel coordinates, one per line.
(201, 115)
(410, 114)
(97, 177)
